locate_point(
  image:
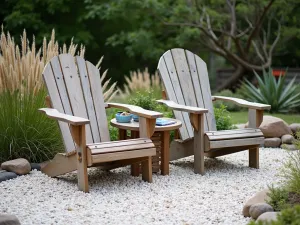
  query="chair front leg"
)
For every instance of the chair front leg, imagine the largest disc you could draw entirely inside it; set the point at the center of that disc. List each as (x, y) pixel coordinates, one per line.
(197, 121)
(255, 117)
(78, 134)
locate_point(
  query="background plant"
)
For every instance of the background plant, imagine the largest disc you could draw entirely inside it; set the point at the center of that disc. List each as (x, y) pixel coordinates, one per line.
(223, 119)
(141, 82)
(273, 92)
(24, 131)
(145, 100)
(229, 105)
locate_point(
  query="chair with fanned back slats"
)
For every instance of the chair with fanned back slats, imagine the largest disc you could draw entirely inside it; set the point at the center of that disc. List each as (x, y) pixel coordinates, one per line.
(185, 79)
(77, 103)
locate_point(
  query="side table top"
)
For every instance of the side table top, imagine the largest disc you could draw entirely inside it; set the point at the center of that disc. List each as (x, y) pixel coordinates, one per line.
(135, 125)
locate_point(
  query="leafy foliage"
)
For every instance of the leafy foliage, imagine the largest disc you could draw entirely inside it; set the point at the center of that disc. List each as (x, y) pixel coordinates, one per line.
(25, 132)
(223, 119)
(231, 107)
(290, 216)
(144, 100)
(291, 172)
(278, 198)
(273, 92)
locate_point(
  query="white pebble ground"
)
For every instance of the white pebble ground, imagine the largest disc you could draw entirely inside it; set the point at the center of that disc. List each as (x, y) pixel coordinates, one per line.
(117, 198)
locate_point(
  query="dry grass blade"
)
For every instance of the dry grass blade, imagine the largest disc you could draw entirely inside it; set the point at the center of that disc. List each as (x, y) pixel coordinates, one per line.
(140, 80)
(22, 70)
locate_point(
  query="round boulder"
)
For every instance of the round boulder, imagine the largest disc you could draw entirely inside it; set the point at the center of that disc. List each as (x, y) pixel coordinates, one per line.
(273, 127)
(259, 197)
(268, 216)
(7, 219)
(4, 175)
(257, 209)
(272, 142)
(287, 139)
(295, 127)
(19, 166)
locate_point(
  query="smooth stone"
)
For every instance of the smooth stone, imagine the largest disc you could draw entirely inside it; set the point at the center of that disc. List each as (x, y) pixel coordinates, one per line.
(259, 208)
(268, 216)
(19, 166)
(273, 127)
(287, 139)
(295, 127)
(259, 197)
(7, 219)
(272, 142)
(35, 166)
(289, 147)
(4, 175)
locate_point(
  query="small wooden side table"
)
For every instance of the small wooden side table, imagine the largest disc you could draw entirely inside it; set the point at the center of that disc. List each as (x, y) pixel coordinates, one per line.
(161, 139)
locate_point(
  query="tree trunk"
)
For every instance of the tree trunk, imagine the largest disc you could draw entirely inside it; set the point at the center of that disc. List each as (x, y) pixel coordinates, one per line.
(233, 79)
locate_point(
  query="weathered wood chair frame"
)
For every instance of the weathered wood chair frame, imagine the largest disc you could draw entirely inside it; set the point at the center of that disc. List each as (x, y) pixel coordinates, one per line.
(185, 79)
(75, 95)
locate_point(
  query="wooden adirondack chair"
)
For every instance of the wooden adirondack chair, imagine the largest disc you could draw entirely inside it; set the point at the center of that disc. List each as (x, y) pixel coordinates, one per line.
(77, 103)
(186, 83)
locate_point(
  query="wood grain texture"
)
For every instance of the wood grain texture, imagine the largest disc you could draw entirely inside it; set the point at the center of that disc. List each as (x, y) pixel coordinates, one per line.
(199, 146)
(74, 89)
(98, 99)
(87, 95)
(242, 102)
(196, 84)
(57, 93)
(170, 93)
(82, 161)
(134, 126)
(53, 113)
(108, 157)
(60, 164)
(183, 108)
(136, 110)
(206, 93)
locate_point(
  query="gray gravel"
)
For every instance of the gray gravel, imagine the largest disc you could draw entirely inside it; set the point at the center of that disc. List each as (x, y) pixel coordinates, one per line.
(117, 198)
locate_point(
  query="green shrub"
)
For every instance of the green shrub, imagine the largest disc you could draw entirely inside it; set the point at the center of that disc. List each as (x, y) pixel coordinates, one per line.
(290, 216)
(223, 119)
(278, 198)
(145, 100)
(273, 92)
(230, 106)
(24, 131)
(291, 172)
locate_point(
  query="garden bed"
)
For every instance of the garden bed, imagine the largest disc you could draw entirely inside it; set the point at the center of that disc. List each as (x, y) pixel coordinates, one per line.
(117, 198)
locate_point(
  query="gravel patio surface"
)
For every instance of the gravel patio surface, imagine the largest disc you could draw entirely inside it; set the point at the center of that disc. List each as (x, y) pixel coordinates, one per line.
(117, 198)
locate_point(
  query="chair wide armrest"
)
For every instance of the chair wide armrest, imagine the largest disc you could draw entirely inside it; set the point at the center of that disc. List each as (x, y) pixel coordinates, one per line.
(190, 109)
(136, 110)
(74, 120)
(242, 102)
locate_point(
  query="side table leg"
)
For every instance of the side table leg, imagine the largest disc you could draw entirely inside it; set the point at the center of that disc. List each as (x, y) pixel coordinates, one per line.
(135, 167)
(122, 134)
(165, 152)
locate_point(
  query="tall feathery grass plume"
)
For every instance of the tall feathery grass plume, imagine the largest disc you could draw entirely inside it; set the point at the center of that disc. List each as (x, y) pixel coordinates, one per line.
(141, 81)
(21, 67)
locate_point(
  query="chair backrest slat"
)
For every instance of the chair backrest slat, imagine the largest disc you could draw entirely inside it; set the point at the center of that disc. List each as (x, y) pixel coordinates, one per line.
(74, 88)
(171, 95)
(186, 82)
(206, 93)
(53, 80)
(83, 74)
(98, 99)
(178, 91)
